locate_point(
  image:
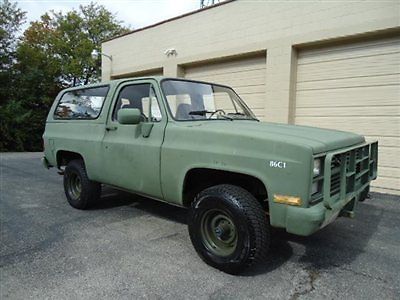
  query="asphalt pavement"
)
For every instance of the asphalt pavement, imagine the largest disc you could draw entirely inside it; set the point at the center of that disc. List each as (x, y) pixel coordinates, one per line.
(130, 247)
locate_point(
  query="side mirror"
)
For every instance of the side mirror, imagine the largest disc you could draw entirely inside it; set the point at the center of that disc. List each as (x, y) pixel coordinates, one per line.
(129, 116)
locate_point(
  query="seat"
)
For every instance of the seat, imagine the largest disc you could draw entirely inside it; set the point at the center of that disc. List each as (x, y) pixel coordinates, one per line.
(182, 112)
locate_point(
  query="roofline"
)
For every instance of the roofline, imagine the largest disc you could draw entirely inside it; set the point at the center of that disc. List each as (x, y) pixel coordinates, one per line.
(169, 20)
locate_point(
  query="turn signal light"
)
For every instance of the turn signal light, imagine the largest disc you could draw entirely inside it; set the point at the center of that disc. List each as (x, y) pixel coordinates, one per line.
(290, 200)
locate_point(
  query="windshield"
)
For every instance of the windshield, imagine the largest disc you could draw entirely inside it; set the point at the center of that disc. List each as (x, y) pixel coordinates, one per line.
(188, 100)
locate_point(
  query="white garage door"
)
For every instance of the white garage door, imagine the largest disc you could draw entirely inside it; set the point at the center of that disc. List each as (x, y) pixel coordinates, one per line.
(245, 75)
(355, 87)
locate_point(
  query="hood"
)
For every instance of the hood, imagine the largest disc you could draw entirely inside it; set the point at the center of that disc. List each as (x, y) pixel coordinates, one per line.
(319, 139)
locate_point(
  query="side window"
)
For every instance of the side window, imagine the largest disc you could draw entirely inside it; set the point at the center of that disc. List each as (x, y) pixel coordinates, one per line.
(155, 114)
(142, 97)
(81, 104)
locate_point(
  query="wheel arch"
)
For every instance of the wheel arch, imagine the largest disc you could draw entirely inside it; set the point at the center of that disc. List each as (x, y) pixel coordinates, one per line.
(199, 178)
(63, 157)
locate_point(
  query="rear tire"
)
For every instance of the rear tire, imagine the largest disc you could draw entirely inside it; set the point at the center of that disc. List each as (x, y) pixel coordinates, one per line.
(79, 190)
(229, 228)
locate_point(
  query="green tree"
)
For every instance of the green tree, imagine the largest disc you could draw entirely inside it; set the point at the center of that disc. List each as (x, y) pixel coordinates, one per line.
(96, 24)
(11, 19)
(12, 115)
(54, 53)
(67, 40)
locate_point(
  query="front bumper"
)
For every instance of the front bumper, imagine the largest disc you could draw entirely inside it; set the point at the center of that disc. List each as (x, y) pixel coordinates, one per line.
(347, 173)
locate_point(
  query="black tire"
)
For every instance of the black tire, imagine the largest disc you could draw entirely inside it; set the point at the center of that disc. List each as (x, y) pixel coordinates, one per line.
(80, 191)
(245, 243)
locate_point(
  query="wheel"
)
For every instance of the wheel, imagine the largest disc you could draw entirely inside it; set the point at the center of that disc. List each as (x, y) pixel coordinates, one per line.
(80, 191)
(228, 228)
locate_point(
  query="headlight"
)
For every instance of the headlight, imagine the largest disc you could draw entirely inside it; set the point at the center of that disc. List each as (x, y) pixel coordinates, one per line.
(317, 167)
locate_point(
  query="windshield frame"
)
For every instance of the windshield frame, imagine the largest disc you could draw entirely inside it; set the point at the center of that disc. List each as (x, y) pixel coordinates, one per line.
(240, 100)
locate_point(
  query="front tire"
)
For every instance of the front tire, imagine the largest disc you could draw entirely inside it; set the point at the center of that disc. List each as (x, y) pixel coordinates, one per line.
(228, 228)
(79, 190)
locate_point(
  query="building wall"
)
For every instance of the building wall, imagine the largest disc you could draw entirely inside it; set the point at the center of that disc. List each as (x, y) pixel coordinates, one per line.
(239, 29)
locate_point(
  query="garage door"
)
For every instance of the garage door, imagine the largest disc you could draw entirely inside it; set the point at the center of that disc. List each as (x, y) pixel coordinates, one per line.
(245, 75)
(355, 87)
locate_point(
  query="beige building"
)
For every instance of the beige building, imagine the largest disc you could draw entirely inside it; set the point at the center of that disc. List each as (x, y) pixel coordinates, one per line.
(333, 64)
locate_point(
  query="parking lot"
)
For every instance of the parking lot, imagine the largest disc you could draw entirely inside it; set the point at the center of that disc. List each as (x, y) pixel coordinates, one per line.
(131, 247)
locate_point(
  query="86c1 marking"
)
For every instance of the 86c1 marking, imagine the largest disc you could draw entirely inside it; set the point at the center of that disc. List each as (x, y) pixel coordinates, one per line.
(277, 164)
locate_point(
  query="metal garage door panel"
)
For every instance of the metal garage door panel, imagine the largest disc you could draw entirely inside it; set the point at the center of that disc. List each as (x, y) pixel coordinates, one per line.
(355, 87)
(246, 75)
(345, 111)
(347, 68)
(356, 96)
(376, 126)
(341, 51)
(351, 82)
(235, 65)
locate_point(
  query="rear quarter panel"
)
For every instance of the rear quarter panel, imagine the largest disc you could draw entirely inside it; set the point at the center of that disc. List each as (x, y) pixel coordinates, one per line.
(83, 138)
(80, 136)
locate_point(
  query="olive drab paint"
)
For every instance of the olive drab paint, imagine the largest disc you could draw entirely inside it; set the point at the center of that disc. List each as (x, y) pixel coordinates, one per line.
(153, 158)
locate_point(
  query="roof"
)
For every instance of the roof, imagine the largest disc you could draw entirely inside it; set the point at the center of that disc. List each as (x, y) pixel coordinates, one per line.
(116, 82)
(113, 82)
(119, 80)
(169, 20)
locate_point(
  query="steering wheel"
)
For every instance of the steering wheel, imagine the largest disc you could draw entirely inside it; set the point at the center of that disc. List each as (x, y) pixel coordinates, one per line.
(217, 110)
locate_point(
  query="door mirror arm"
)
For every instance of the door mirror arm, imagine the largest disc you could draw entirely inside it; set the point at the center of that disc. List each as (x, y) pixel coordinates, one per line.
(146, 129)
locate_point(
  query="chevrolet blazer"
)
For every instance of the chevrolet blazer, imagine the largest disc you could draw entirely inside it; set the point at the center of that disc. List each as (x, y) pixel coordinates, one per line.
(198, 145)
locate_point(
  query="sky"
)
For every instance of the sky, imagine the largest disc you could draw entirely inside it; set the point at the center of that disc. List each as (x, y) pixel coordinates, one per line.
(134, 13)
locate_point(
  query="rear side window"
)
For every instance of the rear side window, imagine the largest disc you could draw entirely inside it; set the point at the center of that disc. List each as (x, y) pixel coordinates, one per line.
(81, 104)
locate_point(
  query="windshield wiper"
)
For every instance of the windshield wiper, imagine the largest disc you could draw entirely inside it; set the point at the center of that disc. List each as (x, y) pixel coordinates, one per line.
(237, 114)
(226, 117)
(244, 115)
(199, 112)
(204, 112)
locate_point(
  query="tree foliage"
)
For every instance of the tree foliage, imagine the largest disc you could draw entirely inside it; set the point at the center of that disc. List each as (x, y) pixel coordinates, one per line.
(11, 19)
(53, 53)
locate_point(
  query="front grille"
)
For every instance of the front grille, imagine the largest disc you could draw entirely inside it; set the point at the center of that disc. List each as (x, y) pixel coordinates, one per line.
(335, 175)
(350, 173)
(356, 167)
(335, 184)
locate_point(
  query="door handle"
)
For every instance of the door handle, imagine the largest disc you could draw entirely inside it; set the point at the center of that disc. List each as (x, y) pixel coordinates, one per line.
(111, 128)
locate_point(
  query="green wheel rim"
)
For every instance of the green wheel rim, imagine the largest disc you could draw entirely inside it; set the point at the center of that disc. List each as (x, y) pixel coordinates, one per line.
(218, 232)
(74, 185)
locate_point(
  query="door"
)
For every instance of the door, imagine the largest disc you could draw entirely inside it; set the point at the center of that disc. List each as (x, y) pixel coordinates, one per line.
(356, 87)
(131, 153)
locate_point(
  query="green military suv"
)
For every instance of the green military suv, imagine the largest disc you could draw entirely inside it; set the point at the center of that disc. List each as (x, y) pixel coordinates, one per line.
(198, 145)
